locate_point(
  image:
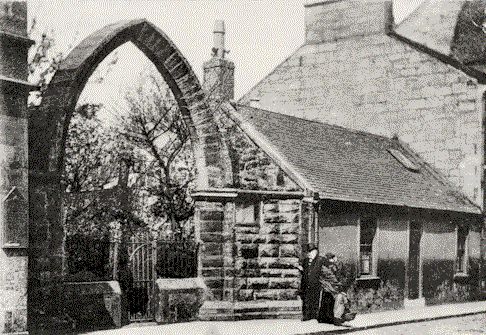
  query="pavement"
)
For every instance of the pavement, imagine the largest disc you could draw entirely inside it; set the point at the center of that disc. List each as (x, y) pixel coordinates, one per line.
(294, 327)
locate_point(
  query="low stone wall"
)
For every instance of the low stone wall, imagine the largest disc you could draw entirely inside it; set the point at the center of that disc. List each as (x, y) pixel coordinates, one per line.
(178, 299)
(93, 305)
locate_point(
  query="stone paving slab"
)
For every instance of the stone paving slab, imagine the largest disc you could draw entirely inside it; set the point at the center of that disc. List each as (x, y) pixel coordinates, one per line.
(294, 327)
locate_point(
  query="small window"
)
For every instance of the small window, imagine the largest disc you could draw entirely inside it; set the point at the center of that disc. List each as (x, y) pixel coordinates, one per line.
(461, 264)
(367, 237)
(405, 161)
(248, 213)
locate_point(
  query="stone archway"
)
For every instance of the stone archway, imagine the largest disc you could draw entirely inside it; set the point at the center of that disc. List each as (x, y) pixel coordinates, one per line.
(48, 128)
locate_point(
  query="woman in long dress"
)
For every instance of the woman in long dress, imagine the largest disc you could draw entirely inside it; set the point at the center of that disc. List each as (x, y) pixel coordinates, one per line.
(330, 287)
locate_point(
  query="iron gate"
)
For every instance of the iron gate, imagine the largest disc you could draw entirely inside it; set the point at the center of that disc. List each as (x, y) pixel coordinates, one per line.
(177, 259)
(142, 251)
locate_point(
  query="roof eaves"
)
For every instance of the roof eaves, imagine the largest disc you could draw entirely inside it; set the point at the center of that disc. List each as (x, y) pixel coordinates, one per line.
(263, 143)
(421, 205)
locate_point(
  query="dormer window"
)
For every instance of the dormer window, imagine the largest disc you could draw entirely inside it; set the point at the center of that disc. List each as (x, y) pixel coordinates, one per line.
(405, 161)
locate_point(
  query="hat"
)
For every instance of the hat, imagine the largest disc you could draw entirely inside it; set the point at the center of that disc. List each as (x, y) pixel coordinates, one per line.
(329, 256)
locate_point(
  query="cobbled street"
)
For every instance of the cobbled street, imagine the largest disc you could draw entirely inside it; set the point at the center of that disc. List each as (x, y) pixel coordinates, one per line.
(474, 324)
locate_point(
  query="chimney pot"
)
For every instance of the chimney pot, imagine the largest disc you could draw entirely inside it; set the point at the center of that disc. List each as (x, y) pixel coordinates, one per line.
(218, 39)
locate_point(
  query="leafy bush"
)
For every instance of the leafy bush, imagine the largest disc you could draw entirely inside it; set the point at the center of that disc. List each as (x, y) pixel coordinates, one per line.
(449, 291)
(388, 295)
(87, 257)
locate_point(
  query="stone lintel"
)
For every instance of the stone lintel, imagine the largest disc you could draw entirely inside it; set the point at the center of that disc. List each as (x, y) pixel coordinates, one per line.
(227, 193)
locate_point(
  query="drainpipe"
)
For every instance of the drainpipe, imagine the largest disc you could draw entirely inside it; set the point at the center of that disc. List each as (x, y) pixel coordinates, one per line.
(482, 110)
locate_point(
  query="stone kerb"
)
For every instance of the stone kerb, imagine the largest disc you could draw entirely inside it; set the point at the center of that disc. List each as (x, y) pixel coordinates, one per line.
(48, 129)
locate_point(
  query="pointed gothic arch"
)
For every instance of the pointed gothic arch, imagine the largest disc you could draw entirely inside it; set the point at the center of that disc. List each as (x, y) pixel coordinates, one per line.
(48, 129)
(63, 92)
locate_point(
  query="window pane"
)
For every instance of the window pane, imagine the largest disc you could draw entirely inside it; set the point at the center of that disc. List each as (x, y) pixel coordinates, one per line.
(367, 235)
(365, 263)
(462, 233)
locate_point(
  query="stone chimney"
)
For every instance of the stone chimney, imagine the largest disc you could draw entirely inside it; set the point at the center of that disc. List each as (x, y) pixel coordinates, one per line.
(219, 72)
(331, 20)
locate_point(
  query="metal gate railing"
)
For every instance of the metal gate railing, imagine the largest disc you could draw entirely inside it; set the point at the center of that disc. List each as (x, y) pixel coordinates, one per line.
(177, 259)
(142, 251)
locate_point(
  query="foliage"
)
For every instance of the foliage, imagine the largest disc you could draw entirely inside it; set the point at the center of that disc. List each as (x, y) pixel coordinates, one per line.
(154, 126)
(87, 257)
(449, 291)
(91, 154)
(95, 156)
(44, 60)
(387, 295)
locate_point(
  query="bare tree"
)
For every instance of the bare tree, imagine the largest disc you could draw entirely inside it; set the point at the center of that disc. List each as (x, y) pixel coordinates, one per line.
(154, 125)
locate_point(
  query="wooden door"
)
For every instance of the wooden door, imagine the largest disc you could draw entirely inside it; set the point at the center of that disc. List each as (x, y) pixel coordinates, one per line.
(414, 260)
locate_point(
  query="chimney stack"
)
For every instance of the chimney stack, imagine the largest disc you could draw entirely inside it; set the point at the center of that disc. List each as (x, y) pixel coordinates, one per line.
(219, 72)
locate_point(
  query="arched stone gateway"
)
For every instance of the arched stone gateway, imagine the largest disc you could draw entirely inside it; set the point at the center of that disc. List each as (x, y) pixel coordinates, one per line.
(48, 128)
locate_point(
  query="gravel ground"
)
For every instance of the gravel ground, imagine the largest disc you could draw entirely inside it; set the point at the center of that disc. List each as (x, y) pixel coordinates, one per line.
(474, 324)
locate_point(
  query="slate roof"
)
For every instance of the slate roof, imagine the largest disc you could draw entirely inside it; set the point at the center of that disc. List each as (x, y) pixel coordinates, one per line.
(349, 165)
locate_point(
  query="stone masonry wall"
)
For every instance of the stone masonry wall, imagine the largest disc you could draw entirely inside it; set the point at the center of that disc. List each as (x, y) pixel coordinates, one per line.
(14, 208)
(252, 168)
(251, 243)
(369, 81)
(267, 250)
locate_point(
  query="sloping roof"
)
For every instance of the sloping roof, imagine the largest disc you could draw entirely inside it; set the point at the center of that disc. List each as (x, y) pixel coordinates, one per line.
(349, 165)
(452, 28)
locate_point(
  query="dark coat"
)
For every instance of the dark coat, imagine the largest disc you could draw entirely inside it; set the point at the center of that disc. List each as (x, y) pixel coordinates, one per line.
(319, 287)
(312, 293)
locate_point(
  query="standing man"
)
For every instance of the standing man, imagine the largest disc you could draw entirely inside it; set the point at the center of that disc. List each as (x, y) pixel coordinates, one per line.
(310, 287)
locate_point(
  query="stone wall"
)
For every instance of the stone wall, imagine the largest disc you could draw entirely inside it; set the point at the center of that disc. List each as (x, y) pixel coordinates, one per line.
(267, 250)
(363, 79)
(252, 168)
(14, 196)
(252, 238)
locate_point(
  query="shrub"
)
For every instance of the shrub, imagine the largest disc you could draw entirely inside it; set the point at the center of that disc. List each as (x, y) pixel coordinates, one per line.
(88, 256)
(388, 295)
(449, 291)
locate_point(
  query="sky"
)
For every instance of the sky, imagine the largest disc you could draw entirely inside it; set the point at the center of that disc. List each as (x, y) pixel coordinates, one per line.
(259, 34)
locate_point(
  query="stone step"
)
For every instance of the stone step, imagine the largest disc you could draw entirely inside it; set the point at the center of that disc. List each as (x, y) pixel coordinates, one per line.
(223, 310)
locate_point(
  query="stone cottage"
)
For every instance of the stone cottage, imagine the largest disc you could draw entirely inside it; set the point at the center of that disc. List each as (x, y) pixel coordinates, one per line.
(402, 231)
(399, 227)
(421, 79)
